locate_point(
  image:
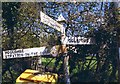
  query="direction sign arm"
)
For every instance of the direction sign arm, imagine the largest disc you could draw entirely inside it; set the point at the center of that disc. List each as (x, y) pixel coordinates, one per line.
(50, 22)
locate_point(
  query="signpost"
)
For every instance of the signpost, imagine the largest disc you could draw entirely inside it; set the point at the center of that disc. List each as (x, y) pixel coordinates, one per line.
(50, 22)
(67, 40)
(63, 49)
(29, 52)
(78, 41)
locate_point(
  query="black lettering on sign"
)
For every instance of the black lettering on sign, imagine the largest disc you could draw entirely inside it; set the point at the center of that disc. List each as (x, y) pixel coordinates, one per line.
(6, 52)
(10, 55)
(12, 51)
(70, 40)
(84, 40)
(22, 55)
(35, 53)
(14, 55)
(27, 54)
(74, 40)
(18, 55)
(31, 53)
(6, 56)
(78, 40)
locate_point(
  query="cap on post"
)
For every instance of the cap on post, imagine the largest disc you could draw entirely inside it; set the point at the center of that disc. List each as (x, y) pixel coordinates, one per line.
(61, 18)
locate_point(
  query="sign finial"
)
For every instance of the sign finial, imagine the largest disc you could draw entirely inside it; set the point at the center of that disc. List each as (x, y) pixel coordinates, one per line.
(61, 18)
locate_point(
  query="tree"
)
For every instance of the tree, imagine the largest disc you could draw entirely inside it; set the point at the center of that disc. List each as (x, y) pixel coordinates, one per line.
(117, 30)
(89, 20)
(10, 11)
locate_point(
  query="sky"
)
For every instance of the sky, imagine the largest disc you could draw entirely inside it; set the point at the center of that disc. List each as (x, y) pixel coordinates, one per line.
(74, 9)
